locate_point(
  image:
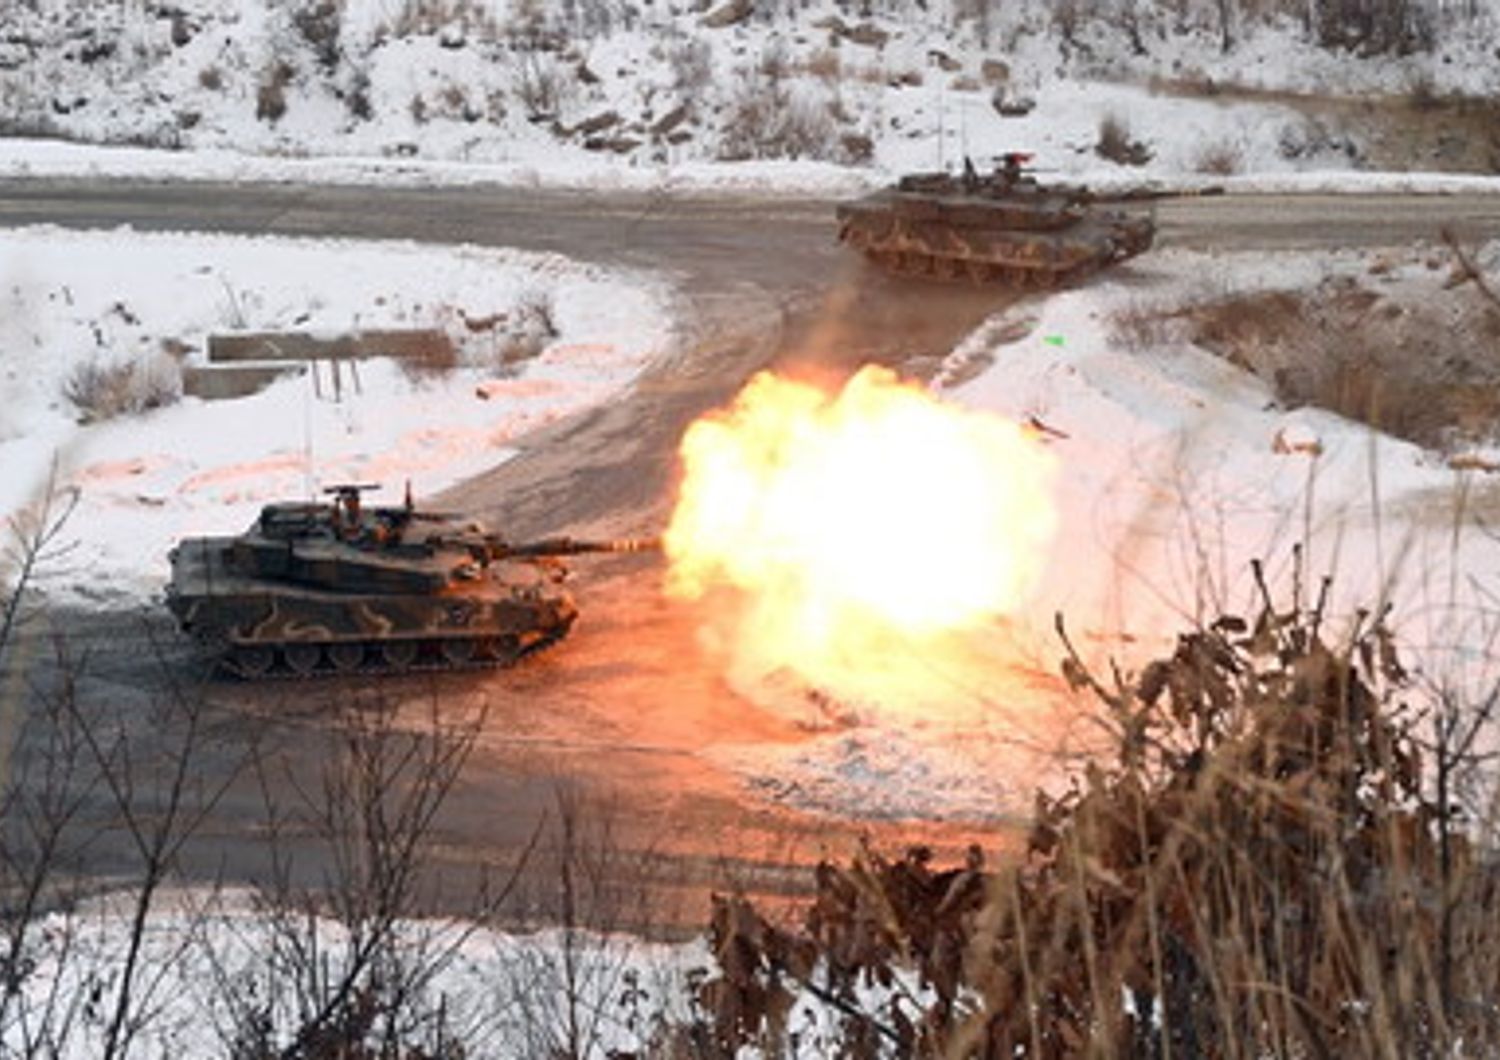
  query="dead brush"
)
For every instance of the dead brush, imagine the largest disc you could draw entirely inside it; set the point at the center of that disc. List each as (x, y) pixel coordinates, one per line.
(1141, 326)
(1222, 158)
(1116, 144)
(102, 390)
(1273, 864)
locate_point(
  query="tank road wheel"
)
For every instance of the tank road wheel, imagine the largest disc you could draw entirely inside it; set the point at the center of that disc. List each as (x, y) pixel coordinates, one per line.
(252, 660)
(506, 649)
(459, 651)
(302, 659)
(346, 656)
(399, 654)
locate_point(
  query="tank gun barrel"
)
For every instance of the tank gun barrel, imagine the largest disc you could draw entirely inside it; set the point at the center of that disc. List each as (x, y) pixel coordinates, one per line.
(571, 546)
(1153, 194)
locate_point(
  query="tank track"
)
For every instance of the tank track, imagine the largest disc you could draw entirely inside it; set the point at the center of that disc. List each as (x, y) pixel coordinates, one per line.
(931, 266)
(282, 662)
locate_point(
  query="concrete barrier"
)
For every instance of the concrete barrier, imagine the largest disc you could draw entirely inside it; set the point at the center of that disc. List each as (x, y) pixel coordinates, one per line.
(222, 382)
(424, 345)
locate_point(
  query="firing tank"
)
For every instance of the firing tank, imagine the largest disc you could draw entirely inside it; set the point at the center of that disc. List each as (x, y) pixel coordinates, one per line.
(341, 587)
(1005, 228)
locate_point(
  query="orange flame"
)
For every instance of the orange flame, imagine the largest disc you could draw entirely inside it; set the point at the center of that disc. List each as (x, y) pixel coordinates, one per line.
(858, 531)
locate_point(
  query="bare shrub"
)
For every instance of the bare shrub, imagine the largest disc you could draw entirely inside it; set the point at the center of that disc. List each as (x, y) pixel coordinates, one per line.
(102, 391)
(211, 78)
(320, 22)
(1116, 145)
(768, 121)
(857, 149)
(421, 18)
(824, 64)
(348, 964)
(593, 893)
(691, 63)
(1139, 327)
(1222, 158)
(270, 94)
(455, 101)
(535, 311)
(1399, 27)
(775, 64)
(541, 85)
(530, 326)
(357, 97)
(1421, 92)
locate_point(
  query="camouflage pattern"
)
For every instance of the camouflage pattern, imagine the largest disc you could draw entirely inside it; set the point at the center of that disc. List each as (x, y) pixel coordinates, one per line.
(336, 587)
(1002, 228)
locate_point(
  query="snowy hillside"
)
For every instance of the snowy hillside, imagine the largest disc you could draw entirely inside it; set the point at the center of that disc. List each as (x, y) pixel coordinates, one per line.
(586, 88)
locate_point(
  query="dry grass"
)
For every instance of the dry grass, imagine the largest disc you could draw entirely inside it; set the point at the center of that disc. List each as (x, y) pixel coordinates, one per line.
(1222, 158)
(101, 390)
(824, 64)
(1271, 864)
(1422, 369)
(426, 17)
(765, 120)
(1141, 326)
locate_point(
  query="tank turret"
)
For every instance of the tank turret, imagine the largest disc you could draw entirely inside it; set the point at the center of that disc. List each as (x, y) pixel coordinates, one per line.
(1003, 227)
(341, 587)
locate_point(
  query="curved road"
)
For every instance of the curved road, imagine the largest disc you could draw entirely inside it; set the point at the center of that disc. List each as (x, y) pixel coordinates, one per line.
(628, 706)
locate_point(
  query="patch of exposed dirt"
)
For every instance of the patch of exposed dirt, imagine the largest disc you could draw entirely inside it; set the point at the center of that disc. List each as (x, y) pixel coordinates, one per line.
(1417, 356)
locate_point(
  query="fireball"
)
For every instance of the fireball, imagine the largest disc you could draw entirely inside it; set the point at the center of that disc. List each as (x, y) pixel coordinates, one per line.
(858, 535)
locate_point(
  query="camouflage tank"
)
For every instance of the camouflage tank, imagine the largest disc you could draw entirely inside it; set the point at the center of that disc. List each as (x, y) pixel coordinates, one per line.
(339, 587)
(1002, 228)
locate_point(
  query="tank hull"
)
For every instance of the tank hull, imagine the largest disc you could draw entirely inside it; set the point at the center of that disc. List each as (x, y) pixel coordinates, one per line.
(1019, 236)
(255, 628)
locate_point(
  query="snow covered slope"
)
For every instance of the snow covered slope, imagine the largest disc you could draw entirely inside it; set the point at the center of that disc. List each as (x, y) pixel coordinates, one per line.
(607, 91)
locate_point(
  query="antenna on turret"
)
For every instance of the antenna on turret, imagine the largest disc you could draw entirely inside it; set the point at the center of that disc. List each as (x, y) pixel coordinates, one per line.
(942, 161)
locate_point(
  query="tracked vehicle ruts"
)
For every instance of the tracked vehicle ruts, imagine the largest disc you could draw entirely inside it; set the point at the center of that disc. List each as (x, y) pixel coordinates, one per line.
(1003, 228)
(339, 587)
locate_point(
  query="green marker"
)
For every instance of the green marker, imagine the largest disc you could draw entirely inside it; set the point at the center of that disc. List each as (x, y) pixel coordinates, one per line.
(1053, 340)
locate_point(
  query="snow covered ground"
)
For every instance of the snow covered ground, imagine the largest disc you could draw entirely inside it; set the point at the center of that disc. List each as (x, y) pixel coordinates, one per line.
(215, 970)
(826, 99)
(71, 300)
